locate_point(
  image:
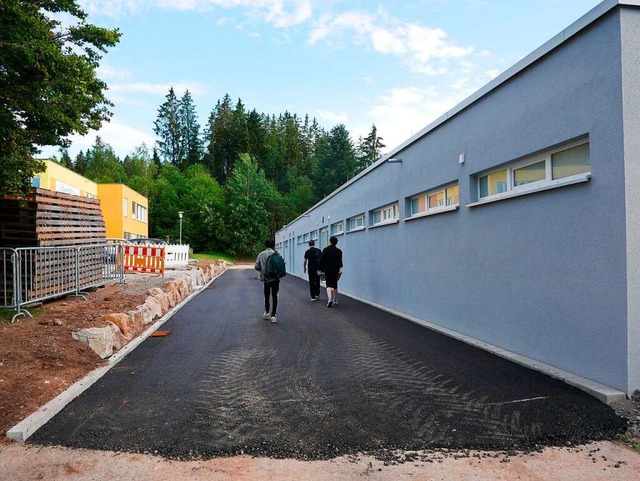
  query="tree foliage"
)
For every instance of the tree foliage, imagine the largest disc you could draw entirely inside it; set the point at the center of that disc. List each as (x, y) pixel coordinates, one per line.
(256, 174)
(48, 83)
(369, 149)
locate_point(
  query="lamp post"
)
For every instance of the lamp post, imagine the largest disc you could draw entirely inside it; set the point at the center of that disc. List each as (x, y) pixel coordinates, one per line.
(180, 215)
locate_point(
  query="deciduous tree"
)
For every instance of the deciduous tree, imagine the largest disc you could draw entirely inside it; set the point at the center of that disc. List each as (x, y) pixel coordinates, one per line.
(48, 83)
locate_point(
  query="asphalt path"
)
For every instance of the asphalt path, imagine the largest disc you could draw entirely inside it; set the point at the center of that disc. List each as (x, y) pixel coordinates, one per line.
(320, 383)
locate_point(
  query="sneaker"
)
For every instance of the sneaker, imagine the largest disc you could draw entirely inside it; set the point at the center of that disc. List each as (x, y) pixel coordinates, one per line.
(274, 319)
(314, 299)
(266, 316)
(330, 303)
(335, 302)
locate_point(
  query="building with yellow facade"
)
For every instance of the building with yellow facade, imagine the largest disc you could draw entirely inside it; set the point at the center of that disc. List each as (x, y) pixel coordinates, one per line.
(124, 210)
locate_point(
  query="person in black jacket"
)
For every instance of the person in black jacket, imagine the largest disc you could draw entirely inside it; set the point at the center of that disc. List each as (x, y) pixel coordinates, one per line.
(310, 265)
(331, 265)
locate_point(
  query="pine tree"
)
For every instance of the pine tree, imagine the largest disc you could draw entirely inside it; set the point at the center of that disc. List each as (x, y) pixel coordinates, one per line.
(369, 149)
(169, 129)
(65, 160)
(192, 143)
(335, 160)
(80, 164)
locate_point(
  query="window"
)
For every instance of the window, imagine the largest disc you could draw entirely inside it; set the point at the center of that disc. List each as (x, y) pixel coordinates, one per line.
(306, 237)
(125, 204)
(35, 181)
(385, 215)
(299, 239)
(355, 223)
(337, 228)
(438, 200)
(552, 169)
(138, 212)
(314, 235)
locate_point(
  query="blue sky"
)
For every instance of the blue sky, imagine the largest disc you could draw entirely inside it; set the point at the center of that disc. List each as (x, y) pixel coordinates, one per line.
(398, 65)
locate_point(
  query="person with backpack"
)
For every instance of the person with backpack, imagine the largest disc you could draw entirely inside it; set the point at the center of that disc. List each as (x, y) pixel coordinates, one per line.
(272, 268)
(310, 265)
(331, 265)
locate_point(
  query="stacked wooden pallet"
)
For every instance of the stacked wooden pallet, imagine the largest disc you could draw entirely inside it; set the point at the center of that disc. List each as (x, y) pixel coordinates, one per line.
(63, 223)
(48, 218)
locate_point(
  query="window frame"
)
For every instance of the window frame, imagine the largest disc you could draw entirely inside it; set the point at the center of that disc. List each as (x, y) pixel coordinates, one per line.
(433, 210)
(334, 228)
(356, 228)
(536, 186)
(388, 214)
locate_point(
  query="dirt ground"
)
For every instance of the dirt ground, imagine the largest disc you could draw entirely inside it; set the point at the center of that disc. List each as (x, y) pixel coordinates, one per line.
(39, 359)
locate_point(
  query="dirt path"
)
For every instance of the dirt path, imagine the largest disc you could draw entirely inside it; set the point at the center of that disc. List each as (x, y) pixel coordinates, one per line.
(594, 462)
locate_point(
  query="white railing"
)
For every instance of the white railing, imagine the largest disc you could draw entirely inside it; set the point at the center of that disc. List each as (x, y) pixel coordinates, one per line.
(176, 255)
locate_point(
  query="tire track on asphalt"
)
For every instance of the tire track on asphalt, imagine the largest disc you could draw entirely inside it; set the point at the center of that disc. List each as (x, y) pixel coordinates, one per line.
(409, 391)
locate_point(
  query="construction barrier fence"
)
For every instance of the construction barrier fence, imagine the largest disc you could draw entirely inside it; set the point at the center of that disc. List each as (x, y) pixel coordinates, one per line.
(34, 274)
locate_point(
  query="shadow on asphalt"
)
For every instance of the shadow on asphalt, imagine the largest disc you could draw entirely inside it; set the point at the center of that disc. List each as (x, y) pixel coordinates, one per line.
(320, 383)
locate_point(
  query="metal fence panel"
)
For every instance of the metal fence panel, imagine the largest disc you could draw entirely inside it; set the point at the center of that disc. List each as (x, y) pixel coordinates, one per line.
(46, 272)
(35, 274)
(8, 271)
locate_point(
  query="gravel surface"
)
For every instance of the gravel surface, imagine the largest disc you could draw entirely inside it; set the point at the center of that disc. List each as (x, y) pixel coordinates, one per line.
(318, 384)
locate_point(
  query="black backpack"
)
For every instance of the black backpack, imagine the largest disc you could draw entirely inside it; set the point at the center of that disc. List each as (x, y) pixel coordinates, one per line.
(275, 268)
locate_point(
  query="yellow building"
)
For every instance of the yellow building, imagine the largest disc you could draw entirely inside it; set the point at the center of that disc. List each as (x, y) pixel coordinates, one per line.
(125, 211)
(60, 179)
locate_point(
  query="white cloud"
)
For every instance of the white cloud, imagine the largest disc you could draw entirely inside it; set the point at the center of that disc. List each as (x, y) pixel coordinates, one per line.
(280, 13)
(156, 89)
(402, 112)
(422, 49)
(122, 138)
(332, 117)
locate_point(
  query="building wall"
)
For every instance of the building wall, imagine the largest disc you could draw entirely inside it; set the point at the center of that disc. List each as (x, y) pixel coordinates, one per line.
(544, 274)
(631, 132)
(122, 221)
(60, 179)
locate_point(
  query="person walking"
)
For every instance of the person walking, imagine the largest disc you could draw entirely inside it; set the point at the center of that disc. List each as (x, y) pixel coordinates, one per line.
(331, 265)
(271, 286)
(310, 265)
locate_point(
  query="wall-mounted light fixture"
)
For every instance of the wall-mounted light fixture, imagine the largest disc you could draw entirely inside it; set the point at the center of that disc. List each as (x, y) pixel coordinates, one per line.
(394, 161)
(461, 159)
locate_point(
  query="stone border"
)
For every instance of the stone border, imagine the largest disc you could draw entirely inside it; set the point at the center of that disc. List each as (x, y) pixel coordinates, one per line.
(33, 422)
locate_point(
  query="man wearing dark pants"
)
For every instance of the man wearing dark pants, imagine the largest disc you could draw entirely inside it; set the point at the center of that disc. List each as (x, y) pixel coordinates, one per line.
(310, 265)
(331, 265)
(271, 287)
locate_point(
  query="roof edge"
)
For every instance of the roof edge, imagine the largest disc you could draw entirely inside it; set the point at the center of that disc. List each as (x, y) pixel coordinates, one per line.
(583, 22)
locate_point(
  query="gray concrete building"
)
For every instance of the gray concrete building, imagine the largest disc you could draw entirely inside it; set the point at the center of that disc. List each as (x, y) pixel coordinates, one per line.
(512, 221)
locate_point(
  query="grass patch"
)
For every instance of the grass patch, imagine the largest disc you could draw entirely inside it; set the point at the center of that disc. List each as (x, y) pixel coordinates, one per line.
(7, 314)
(623, 438)
(215, 255)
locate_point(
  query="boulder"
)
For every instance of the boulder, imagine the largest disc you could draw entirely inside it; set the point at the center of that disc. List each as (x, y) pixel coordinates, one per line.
(103, 340)
(170, 289)
(161, 297)
(129, 326)
(154, 307)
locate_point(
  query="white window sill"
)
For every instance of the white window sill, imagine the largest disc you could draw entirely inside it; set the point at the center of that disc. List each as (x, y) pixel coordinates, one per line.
(574, 179)
(357, 229)
(435, 211)
(382, 224)
(338, 233)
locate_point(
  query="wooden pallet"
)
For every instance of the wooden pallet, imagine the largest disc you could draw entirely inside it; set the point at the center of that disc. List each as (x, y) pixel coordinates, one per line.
(46, 218)
(53, 219)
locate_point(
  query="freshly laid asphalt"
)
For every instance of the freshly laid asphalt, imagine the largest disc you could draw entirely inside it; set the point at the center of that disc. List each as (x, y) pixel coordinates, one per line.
(320, 383)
